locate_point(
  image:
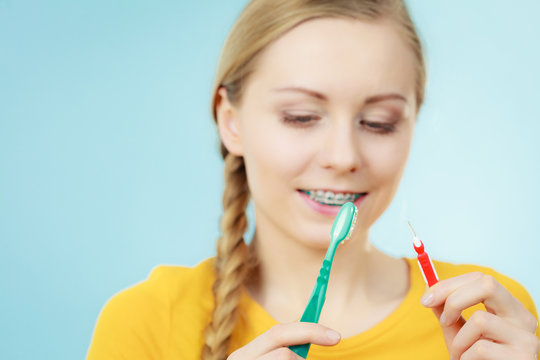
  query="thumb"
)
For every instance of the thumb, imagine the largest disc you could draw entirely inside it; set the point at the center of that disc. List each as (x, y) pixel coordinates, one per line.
(449, 331)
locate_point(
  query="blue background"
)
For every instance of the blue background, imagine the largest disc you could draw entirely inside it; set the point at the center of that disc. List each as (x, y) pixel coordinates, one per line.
(109, 157)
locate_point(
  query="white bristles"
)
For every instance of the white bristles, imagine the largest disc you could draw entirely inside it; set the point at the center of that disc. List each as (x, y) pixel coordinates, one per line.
(416, 241)
(351, 228)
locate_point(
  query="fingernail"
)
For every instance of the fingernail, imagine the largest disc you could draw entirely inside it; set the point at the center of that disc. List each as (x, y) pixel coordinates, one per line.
(427, 299)
(443, 320)
(333, 335)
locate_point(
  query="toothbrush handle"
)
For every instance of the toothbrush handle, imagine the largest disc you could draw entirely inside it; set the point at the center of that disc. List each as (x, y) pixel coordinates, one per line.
(311, 314)
(428, 270)
(300, 350)
(314, 306)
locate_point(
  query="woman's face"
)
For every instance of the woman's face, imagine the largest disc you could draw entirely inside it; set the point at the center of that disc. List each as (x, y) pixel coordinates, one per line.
(327, 116)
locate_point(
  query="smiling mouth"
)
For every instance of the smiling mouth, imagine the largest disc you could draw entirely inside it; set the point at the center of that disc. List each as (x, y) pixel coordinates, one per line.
(332, 198)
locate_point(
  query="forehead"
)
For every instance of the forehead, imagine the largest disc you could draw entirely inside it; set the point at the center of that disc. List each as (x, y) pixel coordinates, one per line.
(340, 57)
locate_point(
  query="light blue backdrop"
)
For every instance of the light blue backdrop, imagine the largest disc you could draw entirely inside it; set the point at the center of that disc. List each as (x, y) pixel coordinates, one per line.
(108, 155)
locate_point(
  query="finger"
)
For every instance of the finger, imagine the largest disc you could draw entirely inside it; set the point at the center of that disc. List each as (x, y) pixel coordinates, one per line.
(436, 295)
(485, 349)
(466, 290)
(485, 290)
(449, 331)
(484, 325)
(283, 335)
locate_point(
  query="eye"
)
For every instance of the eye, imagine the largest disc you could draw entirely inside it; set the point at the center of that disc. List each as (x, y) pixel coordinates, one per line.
(299, 119)
(379, 127)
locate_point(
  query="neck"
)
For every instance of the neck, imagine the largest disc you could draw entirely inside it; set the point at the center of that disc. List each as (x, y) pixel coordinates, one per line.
(288, 269)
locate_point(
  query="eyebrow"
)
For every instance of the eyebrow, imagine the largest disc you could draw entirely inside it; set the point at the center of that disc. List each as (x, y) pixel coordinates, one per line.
(309, 92)
(320, 96)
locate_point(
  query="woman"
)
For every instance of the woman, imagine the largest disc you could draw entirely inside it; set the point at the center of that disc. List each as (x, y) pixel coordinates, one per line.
(315, 103)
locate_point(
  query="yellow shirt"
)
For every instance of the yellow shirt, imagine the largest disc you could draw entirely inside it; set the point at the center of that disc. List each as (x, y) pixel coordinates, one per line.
(165, 316)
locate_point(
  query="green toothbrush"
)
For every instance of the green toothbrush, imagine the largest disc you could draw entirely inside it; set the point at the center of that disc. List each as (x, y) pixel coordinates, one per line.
(341, 231)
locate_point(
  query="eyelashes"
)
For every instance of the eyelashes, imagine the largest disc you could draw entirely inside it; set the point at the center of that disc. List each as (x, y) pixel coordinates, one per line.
(300, 120)
(305, 121)
(379, 127)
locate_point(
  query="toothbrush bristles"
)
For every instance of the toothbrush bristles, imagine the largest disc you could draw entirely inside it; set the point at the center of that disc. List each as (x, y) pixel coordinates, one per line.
(412, 229)
(352, 224)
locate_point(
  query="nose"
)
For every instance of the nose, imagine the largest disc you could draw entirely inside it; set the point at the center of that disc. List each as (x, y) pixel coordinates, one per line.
(340, 150)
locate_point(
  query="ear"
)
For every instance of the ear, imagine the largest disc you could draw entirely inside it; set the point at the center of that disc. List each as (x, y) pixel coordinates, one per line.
(228, 124)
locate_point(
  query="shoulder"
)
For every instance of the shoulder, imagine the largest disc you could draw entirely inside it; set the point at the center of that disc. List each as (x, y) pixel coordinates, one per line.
(174, 283)
(165, 286)
(138, 319)
(447, 270)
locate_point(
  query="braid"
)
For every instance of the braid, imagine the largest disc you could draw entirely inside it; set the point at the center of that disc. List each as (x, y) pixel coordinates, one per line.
(231, 264)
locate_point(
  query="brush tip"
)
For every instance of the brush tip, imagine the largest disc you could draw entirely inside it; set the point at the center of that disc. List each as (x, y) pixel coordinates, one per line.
(353, 223)
(412, 229)
(344, 223)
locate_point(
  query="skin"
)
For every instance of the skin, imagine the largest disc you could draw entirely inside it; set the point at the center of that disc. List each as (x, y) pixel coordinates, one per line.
(349, 129)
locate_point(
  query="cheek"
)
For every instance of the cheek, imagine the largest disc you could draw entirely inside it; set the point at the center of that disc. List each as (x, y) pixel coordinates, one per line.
(273, 155)
(387, 158)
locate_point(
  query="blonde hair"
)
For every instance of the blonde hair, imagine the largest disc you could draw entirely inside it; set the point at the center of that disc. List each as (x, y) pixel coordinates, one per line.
(262, 22)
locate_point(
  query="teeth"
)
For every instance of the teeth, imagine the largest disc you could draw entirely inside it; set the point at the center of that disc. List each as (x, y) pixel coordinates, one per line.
(331, 198)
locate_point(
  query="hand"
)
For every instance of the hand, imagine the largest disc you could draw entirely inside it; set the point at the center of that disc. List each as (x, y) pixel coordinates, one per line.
(274, 343)
(505, 331)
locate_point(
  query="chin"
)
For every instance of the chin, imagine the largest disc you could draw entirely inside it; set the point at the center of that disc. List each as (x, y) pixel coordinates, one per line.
(316, 237)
